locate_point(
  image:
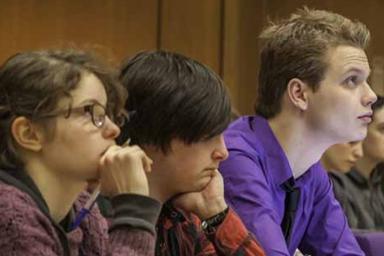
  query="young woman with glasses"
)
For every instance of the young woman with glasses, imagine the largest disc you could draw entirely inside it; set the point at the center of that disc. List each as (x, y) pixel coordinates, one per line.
(58, 115)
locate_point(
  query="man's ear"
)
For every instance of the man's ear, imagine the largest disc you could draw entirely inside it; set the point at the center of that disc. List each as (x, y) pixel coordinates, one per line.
(298, 93)
(28, 135)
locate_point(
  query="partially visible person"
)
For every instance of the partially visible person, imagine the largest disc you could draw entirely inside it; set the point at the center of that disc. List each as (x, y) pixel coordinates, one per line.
(312, 93)
(179, 109)
(57, 113)
(342, 157)
(359, 190)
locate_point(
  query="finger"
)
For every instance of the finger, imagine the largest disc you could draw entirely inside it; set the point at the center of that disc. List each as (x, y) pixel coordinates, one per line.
(186, 201)
(147, 163)
(126, 143)
(111, 150)
(93, 184)
(139, 153)
(134, 148)
(97, 187)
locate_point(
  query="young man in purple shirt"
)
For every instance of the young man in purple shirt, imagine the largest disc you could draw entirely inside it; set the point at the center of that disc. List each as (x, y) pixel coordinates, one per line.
(313, 93)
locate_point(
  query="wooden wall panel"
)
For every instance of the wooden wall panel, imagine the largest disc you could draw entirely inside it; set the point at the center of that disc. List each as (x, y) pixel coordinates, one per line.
(220, 33)
(193, 28)
(118, 27)
(368, 12)
(243, 22)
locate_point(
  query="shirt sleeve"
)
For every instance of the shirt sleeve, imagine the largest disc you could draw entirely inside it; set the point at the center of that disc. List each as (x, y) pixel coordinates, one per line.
(328, 232)
(132, 230)
(247, 191)
(232, 238)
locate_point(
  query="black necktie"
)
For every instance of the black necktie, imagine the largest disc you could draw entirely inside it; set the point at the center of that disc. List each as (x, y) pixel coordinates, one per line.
(292, 198)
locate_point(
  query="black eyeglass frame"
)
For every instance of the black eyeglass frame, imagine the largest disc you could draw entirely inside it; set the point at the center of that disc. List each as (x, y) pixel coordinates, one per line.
(97, 120)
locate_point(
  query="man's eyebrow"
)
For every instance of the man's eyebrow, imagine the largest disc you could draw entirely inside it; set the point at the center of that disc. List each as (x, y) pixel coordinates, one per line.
(356, 70)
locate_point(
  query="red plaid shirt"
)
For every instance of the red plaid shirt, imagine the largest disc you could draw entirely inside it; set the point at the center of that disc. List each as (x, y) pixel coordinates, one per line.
(180, 234)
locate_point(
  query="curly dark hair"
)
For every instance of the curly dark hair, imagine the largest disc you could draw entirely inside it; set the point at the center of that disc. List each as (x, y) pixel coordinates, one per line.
(32, 83)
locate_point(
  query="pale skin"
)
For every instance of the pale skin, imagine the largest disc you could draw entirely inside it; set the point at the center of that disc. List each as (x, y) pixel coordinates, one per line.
(338, 112)
(342, 157)
(373, 145)
(188, 174)
(78, 153)
(114, 177)
(206, 203)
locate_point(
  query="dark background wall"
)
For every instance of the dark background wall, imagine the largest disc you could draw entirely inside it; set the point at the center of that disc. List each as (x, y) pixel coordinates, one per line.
(221, 33)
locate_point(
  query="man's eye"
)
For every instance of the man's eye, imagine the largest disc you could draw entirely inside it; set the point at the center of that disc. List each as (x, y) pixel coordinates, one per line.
(351, 81)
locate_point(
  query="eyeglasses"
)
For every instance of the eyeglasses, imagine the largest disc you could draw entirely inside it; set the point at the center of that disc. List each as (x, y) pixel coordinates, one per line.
(97, 112)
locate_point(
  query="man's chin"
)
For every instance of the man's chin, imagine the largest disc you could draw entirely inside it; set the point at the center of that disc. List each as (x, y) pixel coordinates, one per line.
(362, 134)
(354, 137)
(202, 184)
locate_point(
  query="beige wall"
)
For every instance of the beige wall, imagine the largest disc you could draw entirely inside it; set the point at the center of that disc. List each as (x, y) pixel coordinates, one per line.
(221, 33)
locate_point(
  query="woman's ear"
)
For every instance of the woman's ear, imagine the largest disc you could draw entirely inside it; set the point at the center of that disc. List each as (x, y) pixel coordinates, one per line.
(28, 135)
(298, 93)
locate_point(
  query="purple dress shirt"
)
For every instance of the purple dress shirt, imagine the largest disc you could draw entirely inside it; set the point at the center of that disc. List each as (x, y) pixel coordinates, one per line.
(253, 174)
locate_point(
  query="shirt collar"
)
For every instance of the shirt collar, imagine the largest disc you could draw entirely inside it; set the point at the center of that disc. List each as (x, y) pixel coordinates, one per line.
(172, 212)
(375, 179)
(357, 178)
(377, 175)
(276, 158)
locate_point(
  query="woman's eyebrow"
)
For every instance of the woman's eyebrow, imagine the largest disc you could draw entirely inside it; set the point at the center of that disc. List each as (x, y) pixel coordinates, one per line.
(91, 100)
